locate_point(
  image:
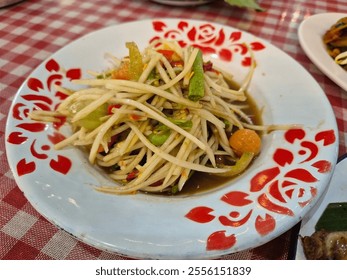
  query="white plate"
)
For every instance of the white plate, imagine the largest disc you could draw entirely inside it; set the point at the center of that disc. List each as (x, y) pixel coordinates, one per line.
(337, 192)
(281, 186)
(311, 32)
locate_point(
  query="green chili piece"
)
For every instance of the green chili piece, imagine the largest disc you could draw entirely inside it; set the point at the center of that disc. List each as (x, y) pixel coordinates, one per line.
(196, 89)
(159, 139)
(161, 132)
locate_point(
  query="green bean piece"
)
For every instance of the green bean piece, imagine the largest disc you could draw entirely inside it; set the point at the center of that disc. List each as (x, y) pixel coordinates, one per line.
(196, 89)
(241, 164)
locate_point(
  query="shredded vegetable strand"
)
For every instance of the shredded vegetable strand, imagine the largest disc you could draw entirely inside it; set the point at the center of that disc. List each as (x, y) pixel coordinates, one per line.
(104, 128)
(173, 159)
(173, 141)
(158, 117)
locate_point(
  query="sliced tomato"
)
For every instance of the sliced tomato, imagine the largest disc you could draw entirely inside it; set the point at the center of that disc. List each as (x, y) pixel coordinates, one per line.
(122, 73)
(132, 175)
(167, 53)
(178, 63)
(135, 117)
(111, 107)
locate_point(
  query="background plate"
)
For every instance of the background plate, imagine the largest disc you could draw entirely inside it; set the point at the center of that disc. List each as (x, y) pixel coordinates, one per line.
(311, 33)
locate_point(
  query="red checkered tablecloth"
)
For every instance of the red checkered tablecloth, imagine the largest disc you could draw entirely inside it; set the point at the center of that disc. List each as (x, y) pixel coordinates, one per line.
(32, 30)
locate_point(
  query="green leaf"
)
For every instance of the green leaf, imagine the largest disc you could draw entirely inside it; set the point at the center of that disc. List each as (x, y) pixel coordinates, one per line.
(252, 4)
(334, 218)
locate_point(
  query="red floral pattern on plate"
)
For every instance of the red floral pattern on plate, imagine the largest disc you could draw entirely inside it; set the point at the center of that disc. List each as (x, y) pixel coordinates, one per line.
(209, 38)
(292, 178)
(41, 96)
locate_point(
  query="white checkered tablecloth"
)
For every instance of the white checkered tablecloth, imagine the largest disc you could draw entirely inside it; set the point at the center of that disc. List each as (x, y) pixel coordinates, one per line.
(32, 30)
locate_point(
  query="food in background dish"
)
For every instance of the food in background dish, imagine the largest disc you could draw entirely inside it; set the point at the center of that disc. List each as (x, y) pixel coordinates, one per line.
(336, 41)
(324, 245)
(159, 116)
(251, 4)
(183, 2)
(329, 241)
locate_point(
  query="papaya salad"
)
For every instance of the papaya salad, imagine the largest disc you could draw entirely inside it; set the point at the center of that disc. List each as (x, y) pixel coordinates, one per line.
(158, 116)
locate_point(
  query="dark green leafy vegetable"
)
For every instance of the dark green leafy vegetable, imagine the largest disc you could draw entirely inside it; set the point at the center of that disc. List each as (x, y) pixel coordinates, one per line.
(334, 218)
